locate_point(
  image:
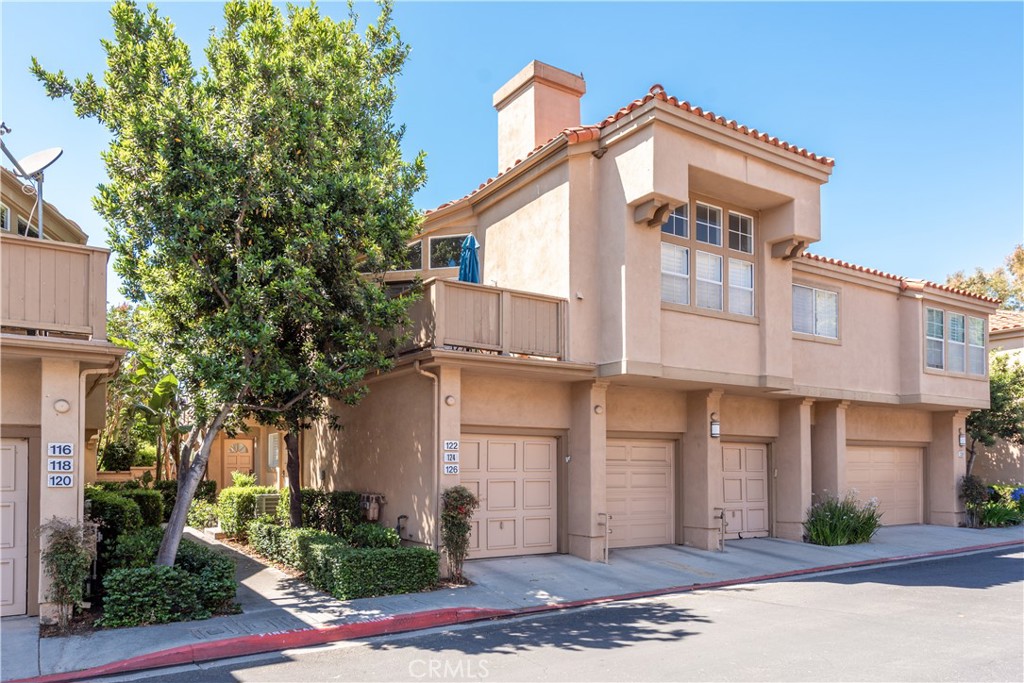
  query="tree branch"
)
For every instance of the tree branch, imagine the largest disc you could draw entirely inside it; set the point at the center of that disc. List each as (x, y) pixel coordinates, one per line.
(278, 409)
(213, 281)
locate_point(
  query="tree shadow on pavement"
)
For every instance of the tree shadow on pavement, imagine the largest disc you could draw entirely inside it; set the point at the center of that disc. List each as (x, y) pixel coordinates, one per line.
(999, 568)
(603, 627)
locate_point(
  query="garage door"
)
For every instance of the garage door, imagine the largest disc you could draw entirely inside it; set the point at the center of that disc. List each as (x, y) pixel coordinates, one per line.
(639, 493)
(893, 475)
(514, 478)
(13, 526)
(745, 489)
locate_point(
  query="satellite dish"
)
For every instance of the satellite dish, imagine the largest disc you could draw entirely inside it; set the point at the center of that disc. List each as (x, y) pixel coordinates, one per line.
(40, 161)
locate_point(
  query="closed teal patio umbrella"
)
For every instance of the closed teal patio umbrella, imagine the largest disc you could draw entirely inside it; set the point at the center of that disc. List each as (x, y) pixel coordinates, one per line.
(469, 262)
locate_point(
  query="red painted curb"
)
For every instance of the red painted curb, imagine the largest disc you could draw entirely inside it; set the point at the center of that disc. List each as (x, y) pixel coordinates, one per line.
(400, 623)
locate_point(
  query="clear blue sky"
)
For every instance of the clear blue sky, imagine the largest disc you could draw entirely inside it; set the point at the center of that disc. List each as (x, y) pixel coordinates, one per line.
(921, 104)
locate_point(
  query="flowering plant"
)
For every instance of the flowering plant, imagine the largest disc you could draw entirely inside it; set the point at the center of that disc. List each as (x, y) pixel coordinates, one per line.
(457, 506)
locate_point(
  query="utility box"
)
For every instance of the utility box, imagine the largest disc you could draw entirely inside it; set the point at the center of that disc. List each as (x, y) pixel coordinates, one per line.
(371, 504)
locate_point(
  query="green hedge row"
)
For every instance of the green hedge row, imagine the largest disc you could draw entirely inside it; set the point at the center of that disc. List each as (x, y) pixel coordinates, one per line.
(207, 490)
(347, 573)
(236, 507)
(115, 514)
(336, 512)
(151, 505)
(201, 583)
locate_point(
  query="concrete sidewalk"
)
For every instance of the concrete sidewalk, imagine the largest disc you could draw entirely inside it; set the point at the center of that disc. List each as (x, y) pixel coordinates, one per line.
(280, 612)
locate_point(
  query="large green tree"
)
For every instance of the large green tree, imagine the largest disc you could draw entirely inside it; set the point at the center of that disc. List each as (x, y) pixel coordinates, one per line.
(1004, 418)
(1004, 282)
(242, 195)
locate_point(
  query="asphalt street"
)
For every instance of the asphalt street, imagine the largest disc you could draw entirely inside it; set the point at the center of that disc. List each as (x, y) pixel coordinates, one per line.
(957, 619)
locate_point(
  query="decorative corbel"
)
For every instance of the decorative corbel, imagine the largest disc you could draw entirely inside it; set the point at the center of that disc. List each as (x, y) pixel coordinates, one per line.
(789, 249)
(652, 212)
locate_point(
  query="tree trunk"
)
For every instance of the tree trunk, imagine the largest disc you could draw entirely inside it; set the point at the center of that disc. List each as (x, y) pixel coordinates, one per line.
(160, 441)
(970, 456)
(291, 440)
(190, 472)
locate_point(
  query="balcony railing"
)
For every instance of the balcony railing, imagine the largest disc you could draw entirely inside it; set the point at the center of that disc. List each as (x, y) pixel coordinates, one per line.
(54, 288)
(463, 316)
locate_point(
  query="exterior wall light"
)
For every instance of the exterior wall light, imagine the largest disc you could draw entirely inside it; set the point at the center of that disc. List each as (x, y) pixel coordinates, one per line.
(62, 405)
(716, 426)
(963, 439)
(449, 400)
(598, 409)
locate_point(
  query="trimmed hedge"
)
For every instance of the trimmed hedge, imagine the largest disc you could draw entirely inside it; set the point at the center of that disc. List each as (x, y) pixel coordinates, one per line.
(336, 512)
(168, 488)
(373, 535)
(208, 585)
(114, 513)
(284, 544)
(236, 507)
(151, 595)
(350, 573)
(151, 505)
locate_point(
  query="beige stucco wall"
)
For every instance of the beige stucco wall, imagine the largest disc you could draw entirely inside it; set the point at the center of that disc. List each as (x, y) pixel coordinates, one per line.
(385, 446)
(747, 416)
(19, 391)
(888, 425)
(632, 409)
(1000, 464)
(499, 401)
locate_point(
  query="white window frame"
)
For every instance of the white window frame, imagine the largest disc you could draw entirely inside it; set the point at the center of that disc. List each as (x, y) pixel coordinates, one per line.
(956, 351)
(273, 450)
(430, 251)
(719, 284)
(941, 338)
(741, 288)
(816, 324)
(5, 218)
(680, 216)
(697, 224)
(750, 223)
(413, 267)
(684, 276)
(972, 346)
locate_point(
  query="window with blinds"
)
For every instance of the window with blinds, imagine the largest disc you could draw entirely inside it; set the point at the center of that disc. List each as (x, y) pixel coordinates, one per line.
(815, 312)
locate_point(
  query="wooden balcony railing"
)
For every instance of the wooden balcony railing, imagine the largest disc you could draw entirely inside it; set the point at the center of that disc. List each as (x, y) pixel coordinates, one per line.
(53, 287)
(460, 315)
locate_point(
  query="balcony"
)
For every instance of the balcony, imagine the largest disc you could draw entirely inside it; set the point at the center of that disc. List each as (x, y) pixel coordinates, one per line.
(464, 316)
(53, 288)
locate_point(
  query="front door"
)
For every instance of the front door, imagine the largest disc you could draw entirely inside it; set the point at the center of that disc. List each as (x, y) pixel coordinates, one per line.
(745, 489)
(237, 457)
(13, 526)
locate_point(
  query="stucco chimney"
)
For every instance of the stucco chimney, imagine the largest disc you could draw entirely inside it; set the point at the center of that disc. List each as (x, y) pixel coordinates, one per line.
(534, 106)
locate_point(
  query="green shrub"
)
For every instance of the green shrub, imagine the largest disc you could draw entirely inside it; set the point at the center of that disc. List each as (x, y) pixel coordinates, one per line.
(264, 534)
(114, 513)
(67, 558)
(151, 595)
(350, 573)
(996, 514)
(337, 512)
(371, 535)
(457, 506)
(201, 514)
(241, 479)
(117, 456)
(151, 505)
(236, 507)
(974, 494)
(168, 488)
(286, 545)
(136, 548)
(145, 456)
(842, 521)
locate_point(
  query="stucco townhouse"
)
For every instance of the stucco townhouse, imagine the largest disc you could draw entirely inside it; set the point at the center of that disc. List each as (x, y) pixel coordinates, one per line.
(653, 356)
(54, 358)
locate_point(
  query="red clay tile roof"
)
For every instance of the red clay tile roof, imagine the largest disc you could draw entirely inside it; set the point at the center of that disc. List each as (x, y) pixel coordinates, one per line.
(580, 134)
(902, 280)
(1002, 321)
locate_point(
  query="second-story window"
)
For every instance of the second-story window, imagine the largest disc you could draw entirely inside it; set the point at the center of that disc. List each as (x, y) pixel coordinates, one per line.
(5, 218)
(445, 251)
(723, 280)
(709, 224)
(954, 342)
(815, 312)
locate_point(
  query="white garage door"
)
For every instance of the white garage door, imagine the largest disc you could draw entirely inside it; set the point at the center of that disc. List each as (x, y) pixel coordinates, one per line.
(639, 493)
(893, 475)
(514, 478)
(13, 526)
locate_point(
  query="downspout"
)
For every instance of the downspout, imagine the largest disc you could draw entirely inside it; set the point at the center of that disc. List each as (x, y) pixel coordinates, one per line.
(80, 458)
(436, 429)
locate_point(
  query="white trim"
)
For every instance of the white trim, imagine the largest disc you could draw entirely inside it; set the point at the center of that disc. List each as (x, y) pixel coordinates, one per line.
(430, 250)
(696, 221)
(751, 236)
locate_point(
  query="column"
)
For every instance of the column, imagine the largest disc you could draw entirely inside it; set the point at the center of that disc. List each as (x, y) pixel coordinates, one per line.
(946, 465)
(828, 448)
(792, 464)
(702, 471)
(586, 484)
